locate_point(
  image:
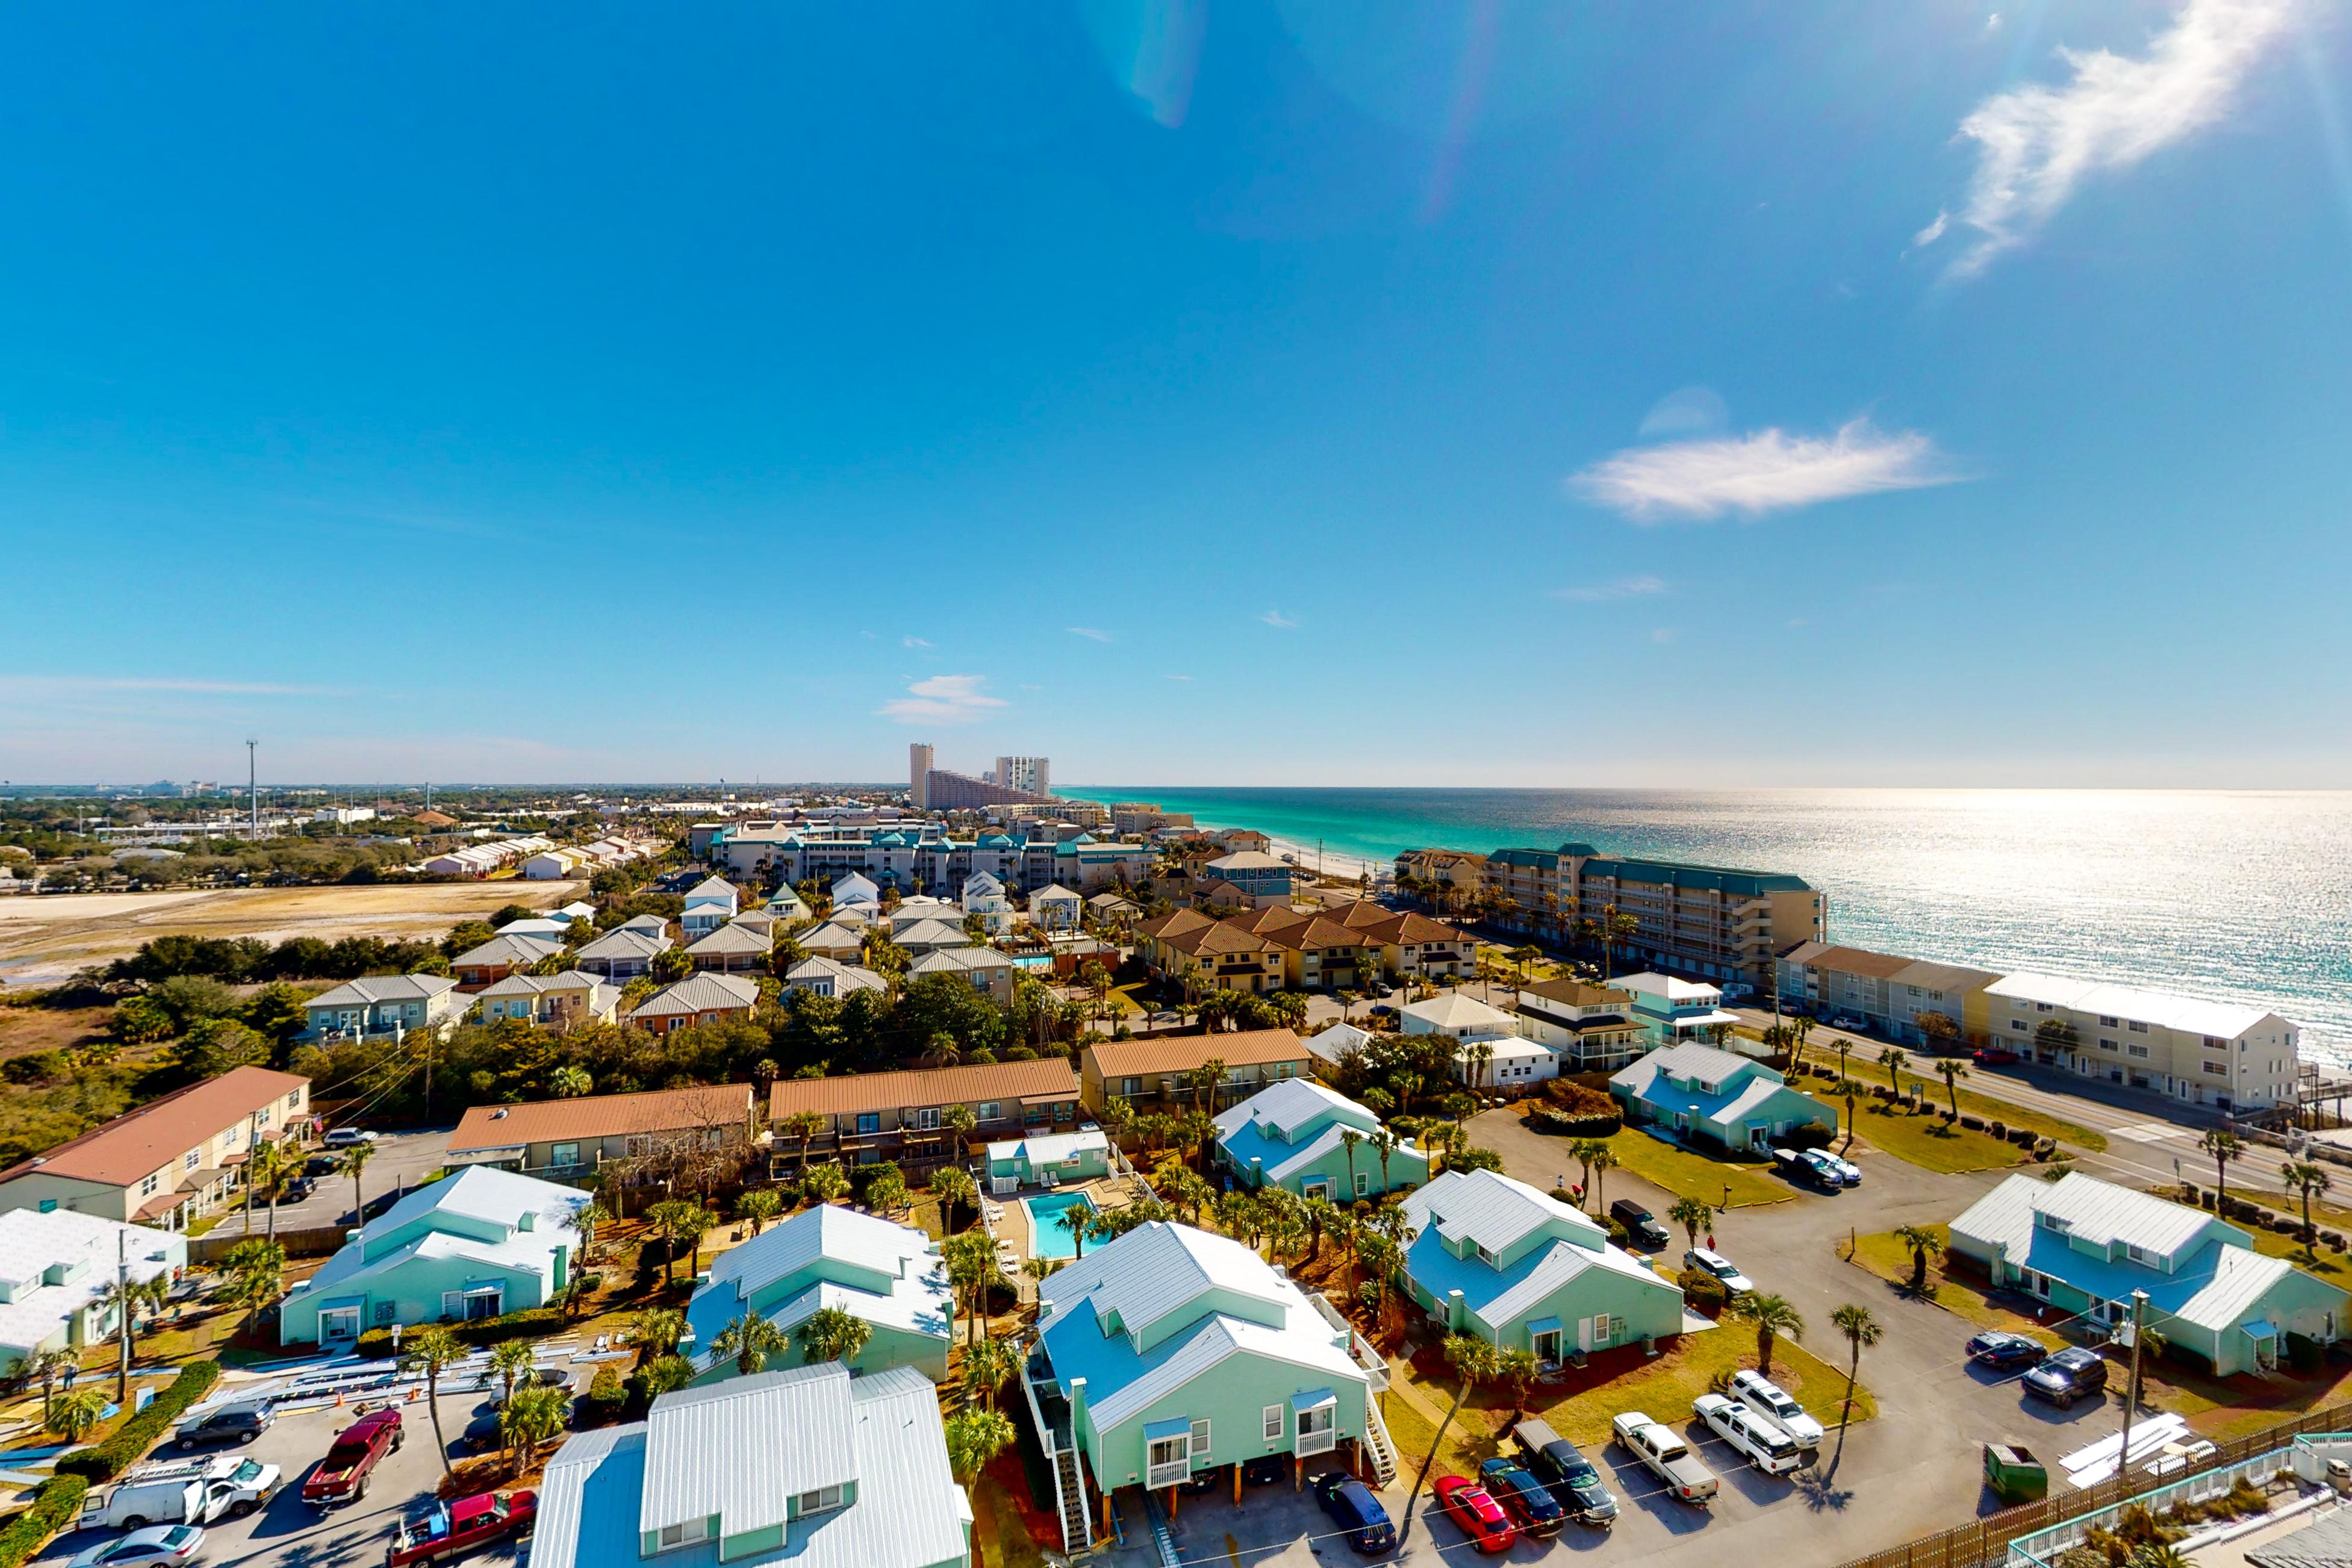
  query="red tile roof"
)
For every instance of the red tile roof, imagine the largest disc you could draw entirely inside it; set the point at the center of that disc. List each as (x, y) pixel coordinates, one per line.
(139, 1142)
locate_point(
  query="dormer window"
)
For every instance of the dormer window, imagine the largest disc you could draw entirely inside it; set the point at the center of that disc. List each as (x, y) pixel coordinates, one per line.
(825, 1499)
(1485, 1256)
(692, 1532)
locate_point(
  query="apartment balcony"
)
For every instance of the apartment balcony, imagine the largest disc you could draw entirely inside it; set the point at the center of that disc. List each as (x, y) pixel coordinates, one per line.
(1360, 1350)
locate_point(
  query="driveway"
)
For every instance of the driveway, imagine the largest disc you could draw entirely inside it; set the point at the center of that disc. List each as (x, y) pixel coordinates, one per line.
(402, 1161)
(289, 1532)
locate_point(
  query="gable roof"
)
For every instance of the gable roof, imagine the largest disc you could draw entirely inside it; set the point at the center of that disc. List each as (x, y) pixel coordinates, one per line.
(1578, 993)
(493, 1127)
(1183, 1053)
(1157, 1269)
(711, 889)
(2189, 1014)
(1048, 1078)
(1690, 1059)
(623, 942)
(1490, 1209)
(518, 951)
(958, 961)
(482, 1193)
(542, 984)
(781, 1431)
(729, 939)
(139, 1142)
(1922, 972)
(372, 988)
(700, 994)
(1289, 1106)
(828, 1230)
(844, 976)
(1456, 1012)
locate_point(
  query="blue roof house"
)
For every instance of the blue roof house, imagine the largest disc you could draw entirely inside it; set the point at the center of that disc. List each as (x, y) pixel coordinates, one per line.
(1705, 1093)
(1494, 1257)
(891, 1276)
(479, 1244)
(1294, 1136)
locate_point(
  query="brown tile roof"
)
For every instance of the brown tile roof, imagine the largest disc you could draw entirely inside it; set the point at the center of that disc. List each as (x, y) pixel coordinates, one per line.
(1847, 959)
(1319, 933)
(1213, 939)
(1577, 994)
(488, 1127)
(1271, 918)
(1047, 1077)
(1175, 924)
(1182, 1053)
(137, 1145)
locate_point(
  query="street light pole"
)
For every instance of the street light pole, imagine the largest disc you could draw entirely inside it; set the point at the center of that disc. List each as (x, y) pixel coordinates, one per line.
(2131, 1400)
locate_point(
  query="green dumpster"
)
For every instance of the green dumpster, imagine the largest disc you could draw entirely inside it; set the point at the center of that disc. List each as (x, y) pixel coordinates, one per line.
(2014, 1473)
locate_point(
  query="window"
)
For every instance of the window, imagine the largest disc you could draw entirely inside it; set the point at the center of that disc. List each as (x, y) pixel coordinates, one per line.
(2140, 1051)
(988, 1111)
(1200, 1437)
(192, 1159)
(2136, 1027)
(869, 1122)
(2018, 1025)
(1130, 1086)
(2106, 1044)
(385, 1311)
(674, 1536)
(2218, 1069)
(1318, 1420)
(1363, 1183)
(147, 1186)
(927, 1119)
(563, 1154)
(1272, 1417)
(1485, 1256)
(1601, 1328)
(825, 1499)
(2108, 1021)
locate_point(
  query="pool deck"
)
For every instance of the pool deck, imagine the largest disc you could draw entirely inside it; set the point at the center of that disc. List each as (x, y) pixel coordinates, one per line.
(1012, 1230)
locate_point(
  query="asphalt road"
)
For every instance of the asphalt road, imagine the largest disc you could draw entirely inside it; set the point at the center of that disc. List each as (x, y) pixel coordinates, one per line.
(402, 1160)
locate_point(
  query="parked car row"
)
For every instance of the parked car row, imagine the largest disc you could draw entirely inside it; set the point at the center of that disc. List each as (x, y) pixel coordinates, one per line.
(2063, 1377)
(1816, 1168)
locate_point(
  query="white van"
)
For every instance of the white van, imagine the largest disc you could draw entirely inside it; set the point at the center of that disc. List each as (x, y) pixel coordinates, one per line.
(134, 1505)
(225, 1486)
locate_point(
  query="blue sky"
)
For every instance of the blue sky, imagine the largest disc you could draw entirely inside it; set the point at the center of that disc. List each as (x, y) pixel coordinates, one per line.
(1192, 392)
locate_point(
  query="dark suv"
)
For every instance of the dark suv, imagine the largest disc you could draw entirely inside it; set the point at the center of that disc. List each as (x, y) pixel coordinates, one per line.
(232, 1424)
(1566, 1473)
(1639, 1224)
(2071, 1374)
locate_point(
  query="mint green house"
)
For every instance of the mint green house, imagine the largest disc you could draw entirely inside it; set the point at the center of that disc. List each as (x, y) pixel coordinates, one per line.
(889, 1276)
(1497, 1258)
(1048, 1159)
(478, 1244)
(805, 1469)
(1169, 1350)
(1732, 1101)
(1295, 1136)
(2085, 1246)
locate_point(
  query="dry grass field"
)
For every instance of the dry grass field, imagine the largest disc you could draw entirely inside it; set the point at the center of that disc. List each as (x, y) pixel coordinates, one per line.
(43, 940)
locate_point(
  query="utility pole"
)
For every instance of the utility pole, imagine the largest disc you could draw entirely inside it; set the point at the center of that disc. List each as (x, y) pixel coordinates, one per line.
(2131, 1401)
(122, 1307)
(253, 786)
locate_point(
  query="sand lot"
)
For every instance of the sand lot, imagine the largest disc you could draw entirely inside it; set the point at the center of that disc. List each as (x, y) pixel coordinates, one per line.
(43, 940)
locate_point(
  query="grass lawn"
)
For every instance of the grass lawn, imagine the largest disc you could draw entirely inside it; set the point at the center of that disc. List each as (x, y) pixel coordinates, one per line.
(999, 1539)
(1663, 1387)
(1691, 1175)
(1928, 1141)
(1891, 1260)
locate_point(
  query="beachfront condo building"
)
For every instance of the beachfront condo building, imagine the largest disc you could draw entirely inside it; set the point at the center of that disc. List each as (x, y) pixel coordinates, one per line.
(1721, 924)
(2206, 1053)
(1890, 993)
(921, 858)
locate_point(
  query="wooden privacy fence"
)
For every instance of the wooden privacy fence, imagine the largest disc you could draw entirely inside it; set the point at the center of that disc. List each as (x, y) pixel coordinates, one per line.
(316, 1241)
(1984, 1542)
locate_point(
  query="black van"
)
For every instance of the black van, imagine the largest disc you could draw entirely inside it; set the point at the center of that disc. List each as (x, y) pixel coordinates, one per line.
(1639, 1224)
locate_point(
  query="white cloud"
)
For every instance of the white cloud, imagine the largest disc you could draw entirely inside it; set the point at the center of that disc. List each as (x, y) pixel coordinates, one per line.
(1932, 232)
(1624, 588)
(1767, 470)
(943, 700)
(1686, 411)
(1278, 621)
(914, 642)
(2037, 143)
(1087, 632)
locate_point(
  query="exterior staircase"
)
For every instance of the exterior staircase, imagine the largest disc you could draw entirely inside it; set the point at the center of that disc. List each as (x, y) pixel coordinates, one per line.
(1378, 1446)
(1070, 1490)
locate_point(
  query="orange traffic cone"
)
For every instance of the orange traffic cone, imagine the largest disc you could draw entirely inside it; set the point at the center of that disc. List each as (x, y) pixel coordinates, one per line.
(339, 1399)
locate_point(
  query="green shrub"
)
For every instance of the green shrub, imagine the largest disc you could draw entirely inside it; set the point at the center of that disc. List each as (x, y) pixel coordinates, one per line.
(481, 1334)
(2303, 1353)
(130, 1442)
(1619, 1234)
(1547, 1118)
(1703, 1290)
(57, 1505)
(1807, 1135)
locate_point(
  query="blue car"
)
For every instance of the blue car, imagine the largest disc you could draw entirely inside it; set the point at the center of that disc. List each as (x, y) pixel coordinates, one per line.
(1354, 1508)
(1523, 1496)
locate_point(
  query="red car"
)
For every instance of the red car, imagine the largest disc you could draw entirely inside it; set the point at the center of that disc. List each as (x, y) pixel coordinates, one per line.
(1482, 1519)
(1995, 1057)
(444, 1531)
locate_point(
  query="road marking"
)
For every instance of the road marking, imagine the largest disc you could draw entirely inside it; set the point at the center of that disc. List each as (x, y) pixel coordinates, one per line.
(2146, 1132)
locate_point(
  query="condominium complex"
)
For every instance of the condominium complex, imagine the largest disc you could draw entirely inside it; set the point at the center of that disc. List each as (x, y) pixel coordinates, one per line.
(1888, 991)
(2206, 1053)
(1030, 775)
(1018, 781)
(918, 857)
(1703, 920)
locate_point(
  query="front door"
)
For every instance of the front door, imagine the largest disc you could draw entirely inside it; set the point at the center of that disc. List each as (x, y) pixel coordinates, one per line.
(1547, 1345)
(340, 1325)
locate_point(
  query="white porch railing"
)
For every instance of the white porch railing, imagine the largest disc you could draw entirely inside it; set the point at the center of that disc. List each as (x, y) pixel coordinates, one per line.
(1157, 1475)
(1310, 1444)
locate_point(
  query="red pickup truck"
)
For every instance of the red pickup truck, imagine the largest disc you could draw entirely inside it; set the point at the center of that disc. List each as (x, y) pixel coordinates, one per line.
(342, 1475)
(444, 1530)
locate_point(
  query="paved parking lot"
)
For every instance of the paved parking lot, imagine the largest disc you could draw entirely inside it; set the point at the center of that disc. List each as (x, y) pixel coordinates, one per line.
(402, 1160)
(289, 1533)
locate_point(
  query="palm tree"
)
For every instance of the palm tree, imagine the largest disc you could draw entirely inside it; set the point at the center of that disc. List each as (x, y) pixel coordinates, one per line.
(1949, 1069)
(570, 1082)
(1349, 1139)
(826, 1184)
(955, 1189)
(962, 1121)
(1894, 1058)
(1604, 1160)
(1076, 1219)
(759, 1206)
(804, 1125)
(430, 1350)
(2224, 1146)
(656, 1333)
(257, 1271)
(1772, 1316)
(987, 1367)
(353, 1162)
(533, 1416)
(75, 1412)
(44, 1367)
(1694, 1214)
(511, 1361)
(1800, 1027)
(667, 1374)
(831, 1334)
(266, 1167)
(1518, 1368)
(1482, 1055)
(886, 1192)
(676, 1220)
(1861, 1330)
(749, 1341)
(974, 1437)
(2302, 1176)
(1924, 1243)
(1582, 1152)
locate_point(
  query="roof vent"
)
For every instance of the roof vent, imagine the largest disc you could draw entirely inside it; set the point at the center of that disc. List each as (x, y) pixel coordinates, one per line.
(500, 1114)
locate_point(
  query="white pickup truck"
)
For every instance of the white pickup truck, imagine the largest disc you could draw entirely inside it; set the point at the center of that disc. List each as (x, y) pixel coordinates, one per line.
(1666, 1457)
(1755, 1438)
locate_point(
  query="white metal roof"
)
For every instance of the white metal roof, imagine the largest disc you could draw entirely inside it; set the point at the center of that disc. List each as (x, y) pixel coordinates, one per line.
(1489, 1208)
(1157, 1269)
(1454, 1013)
(2099, 1211)
(2165, 1009)
(828, 1230)
(779, 1433)
(1291, 1104)
(383, 988)
(1219, 1338)
(31, 1242)
(1562, 1263)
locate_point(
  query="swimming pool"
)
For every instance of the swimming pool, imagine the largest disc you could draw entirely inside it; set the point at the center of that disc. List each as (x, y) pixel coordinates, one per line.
(1047, 1238)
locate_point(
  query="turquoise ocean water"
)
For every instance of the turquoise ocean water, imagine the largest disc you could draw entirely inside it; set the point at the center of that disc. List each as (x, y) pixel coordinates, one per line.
(2239, 897)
